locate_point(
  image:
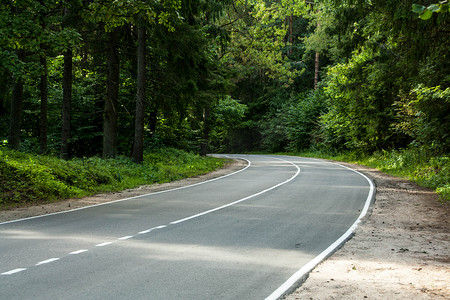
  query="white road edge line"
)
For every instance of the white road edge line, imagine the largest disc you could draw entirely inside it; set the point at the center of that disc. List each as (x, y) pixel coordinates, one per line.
(14, 271)
(319, 258)
(125, 237)
(131, 198)
(243, 199)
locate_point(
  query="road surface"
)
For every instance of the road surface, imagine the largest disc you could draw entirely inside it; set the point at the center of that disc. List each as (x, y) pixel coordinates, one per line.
(250, 235)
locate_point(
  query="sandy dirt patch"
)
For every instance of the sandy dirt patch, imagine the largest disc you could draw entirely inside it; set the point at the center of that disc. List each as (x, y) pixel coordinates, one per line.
(400, 251)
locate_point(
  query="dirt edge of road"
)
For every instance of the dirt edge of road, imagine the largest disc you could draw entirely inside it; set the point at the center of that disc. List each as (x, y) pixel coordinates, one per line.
(400, 251)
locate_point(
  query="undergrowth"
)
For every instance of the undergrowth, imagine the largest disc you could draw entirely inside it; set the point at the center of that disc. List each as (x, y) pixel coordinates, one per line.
(29, 179)
(415, 164)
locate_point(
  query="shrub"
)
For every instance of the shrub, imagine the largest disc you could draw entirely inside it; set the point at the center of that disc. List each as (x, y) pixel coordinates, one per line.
(27, 178)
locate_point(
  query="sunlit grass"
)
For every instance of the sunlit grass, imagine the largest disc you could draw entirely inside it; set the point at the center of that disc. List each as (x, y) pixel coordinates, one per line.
(413, 164)
(28, 178)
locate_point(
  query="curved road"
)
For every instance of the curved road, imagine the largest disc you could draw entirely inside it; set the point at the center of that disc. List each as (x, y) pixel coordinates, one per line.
(250, 235)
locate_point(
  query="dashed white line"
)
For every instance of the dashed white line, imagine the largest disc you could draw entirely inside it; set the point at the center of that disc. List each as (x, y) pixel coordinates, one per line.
(14, 271)
(151, 229)
(81, 251)
(47, 261)
(78, 251)
(103, 244)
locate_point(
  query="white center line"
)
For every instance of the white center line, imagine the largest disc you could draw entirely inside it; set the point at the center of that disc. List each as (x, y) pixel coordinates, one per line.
(103, 244)
(151, 229)
(14, 271)
(125, 237)
(47, 261)
(243, 199)
(78, 251)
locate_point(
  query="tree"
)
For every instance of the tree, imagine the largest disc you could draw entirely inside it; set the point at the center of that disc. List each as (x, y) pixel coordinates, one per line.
(29, 31)
(114, 15)
(112, 96)
(16, 109)
(14, 46)
(138, 146)
(381, 51)
(43, 87)
(265, 70)
(67, 98)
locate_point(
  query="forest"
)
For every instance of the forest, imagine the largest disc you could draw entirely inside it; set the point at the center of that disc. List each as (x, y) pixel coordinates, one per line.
(363, 80)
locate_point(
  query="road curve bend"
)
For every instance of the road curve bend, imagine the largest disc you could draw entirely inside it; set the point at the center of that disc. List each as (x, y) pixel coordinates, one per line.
(252, 234)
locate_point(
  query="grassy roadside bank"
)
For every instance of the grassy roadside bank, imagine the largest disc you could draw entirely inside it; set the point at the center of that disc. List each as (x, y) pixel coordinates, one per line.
(429, 171)
(27, 179)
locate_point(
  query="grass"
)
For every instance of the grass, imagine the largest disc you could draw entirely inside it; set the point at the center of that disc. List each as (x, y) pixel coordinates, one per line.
(27, 179)
(413, 164)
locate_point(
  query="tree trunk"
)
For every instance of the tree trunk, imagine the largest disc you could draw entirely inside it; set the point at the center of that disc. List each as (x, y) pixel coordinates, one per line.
(316, 71)
(4, 89)
(15, 122)
(316, 65)
(44, 103)
(112, 97)
(204, 147)
(66, 105)
(138, 147)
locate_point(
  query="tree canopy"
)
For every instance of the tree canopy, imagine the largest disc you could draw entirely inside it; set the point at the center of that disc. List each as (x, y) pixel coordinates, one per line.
(88, 77)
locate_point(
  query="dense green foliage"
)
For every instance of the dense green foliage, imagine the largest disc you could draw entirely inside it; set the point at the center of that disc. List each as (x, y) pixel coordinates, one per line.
(385, 82)
(414, 164)
(383, 95)
(429, 171)
(227, 76)
(29, 178)
(184, 77)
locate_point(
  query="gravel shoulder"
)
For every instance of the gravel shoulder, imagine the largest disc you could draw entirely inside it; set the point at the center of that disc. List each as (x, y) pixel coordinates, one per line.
(400, 251)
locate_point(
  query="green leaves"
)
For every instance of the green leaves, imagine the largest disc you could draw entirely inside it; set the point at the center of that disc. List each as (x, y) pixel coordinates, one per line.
(258, 37)
(426, 13)
(117, 13)
(418, 8)
(434, 8)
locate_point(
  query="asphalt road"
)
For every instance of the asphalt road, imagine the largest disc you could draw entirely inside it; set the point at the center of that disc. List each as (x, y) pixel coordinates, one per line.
(250, 235)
